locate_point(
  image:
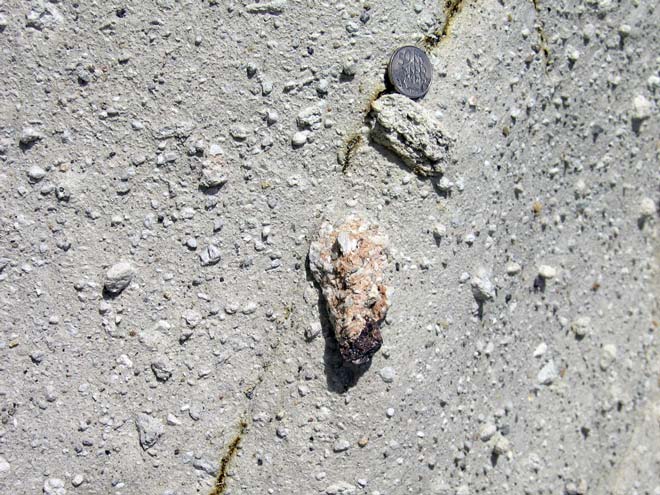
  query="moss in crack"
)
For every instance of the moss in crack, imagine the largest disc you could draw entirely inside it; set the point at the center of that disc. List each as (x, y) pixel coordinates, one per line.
(353, 142)
(377, 92)
(349, 149)
(432, 40)
(221, 481)
(543, 39)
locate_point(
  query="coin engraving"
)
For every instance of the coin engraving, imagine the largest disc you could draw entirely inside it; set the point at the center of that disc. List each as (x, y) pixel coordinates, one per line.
(410, 71)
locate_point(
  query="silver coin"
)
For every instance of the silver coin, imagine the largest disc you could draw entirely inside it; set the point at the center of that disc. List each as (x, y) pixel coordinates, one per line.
(410, 72)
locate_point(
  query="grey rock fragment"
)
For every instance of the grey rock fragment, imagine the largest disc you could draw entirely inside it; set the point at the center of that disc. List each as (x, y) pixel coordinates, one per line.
(313, 331)
(249, 308)
(547, 272)
(238, 132)
(349, 68)
(439, 231)
(487, 431)
(172, 420)
(548, 374)
(463, 490)
(501, 445)
(192, 318)
(205, 465)
(440, 487)
(482, 288)
(29, 135)
(156, 337)
(161, 368)
(310, 117)
(195, 411)
(179, 130)
(272, 7)
(580, 327)
(642, 108)
(647, 209)
(299, 138)
(118, 277)
(408, 130)
(43, 15)
(35, 173)
(341, 445)
(213, 172)
(210, 255)
(266, 87)
(149, 430)
(3, 263)
(341, 488)
(513, 268)
(5, 467)
(607, 356)
(387, 374)
(54, 486)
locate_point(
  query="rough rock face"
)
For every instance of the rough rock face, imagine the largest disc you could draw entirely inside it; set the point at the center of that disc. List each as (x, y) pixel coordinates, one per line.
(348, 262)
(408, 130)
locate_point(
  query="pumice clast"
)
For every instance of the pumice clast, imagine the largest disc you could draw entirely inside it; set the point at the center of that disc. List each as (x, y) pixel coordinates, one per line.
(348, 260)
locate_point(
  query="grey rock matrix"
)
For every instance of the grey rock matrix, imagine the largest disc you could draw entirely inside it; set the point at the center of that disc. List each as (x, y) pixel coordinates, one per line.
(194, 144)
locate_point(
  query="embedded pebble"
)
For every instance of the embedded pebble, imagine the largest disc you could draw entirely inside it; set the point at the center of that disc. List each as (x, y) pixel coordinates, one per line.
(54, 486)
(29, 135)
(213, 173)
(540, 349)
(487, 431)
(512, 268)
(548, 374)
(501, 444)
(341, 445)
(313, 330)
(249, 308)
(482, 288)
(439, 231)
(310, 117)
(207, 466)
(5, 467)
(271, 7)
(210, 255)
(607, 356)
(341, 488)
(149, 430)
(647, 208)
(172, 420)
(641, 108)
(348, 261)
(388, 374)
(36, 173)
(118, 277)
(299, 138)
(161, 368)
(581, 326)
(463, 490)
(238, 132)
(547, 271)
(409, 131)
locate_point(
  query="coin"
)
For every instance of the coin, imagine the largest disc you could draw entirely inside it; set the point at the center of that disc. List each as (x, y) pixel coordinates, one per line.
(410, 72)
